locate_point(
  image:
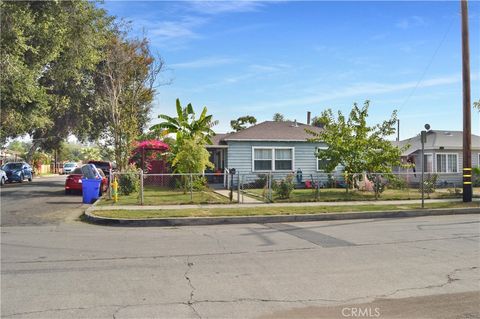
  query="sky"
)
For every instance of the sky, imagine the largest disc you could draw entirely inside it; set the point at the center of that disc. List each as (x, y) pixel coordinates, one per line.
(258, 58)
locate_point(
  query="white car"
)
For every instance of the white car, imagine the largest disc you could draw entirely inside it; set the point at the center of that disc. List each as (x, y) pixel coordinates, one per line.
(69, 167)
(3, 177)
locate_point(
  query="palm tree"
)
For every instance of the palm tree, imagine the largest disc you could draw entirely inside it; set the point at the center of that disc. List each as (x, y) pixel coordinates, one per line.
(185, 125)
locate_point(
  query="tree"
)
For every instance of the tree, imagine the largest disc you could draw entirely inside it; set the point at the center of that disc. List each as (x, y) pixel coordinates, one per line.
(242, 122)
(127, 79)
(316, 121)
(355, 145)
(50, 50)
(185, 125)
(477, 105)
(90, 154)
(278, 117)
(191, 156)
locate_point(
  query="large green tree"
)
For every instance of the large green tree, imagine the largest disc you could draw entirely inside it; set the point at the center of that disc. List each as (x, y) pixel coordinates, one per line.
(49, 54)
(243, 122)
(358, 147)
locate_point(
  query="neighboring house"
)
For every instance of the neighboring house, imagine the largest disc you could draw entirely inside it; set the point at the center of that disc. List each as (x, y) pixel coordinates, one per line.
(443, 155)
(277, 147)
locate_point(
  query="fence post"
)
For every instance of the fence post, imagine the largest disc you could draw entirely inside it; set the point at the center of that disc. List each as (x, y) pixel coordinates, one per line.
(238, 190)
(191, 187)
(141, 187)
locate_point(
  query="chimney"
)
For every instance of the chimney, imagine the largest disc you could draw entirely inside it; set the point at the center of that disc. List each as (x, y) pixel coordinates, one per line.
(309, 114)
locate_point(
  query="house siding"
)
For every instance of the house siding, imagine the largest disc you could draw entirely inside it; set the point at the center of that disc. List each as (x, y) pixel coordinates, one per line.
(450, 178)
(240, 155)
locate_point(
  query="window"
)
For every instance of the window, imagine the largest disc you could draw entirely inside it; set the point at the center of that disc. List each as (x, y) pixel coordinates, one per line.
(273, 159)
(428, 163)
(447, 163)
(283, 159)
(322, 164)
(262, 159)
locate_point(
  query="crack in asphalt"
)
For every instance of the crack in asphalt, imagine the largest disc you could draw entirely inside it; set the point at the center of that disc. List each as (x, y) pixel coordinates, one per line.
(450, 278)
(190, 301)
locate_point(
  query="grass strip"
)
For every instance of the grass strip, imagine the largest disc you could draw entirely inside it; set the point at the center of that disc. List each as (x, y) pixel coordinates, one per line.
(268, 210)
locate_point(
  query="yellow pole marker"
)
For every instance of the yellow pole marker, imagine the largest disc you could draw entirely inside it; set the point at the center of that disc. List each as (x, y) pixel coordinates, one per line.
(115, 190)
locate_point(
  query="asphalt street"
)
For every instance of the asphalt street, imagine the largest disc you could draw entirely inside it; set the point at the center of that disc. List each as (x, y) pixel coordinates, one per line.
(59, 267)
(40, 202)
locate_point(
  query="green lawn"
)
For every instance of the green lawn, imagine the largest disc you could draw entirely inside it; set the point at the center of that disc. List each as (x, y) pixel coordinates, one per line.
(161, 196)
(268, 210)
(338, 194)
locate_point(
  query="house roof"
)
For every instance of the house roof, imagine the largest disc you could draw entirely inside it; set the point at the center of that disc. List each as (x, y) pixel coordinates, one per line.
(272, 131)
(217, 140)
(436, 140)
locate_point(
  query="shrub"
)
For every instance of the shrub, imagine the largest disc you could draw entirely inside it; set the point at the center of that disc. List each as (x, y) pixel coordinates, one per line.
(129, 181)
(199, 183)
(378, 184)
(430, 184)
(476, 177)
(284, 187)
(395, 182)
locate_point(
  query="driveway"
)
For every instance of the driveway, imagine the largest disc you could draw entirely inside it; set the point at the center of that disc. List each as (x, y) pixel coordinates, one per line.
(425, 267)
(40, 202)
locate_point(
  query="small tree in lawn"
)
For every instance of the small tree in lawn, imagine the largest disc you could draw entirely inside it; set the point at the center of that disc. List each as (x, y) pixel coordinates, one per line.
(188, 152)
(191, 156)
(355, 145)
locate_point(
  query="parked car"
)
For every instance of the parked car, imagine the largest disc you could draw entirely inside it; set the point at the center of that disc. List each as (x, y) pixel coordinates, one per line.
(69, 167)
(3, 177)
(74, 181)
(104, 166)
(18, 171)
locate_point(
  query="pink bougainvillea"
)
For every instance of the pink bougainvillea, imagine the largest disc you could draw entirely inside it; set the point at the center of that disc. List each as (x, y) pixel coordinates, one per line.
(151, 150)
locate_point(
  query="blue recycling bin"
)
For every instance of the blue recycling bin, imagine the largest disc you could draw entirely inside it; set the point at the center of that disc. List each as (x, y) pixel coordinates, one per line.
(90, 190)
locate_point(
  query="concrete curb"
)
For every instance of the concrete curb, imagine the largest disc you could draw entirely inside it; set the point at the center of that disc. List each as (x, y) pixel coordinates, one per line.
(196, 221)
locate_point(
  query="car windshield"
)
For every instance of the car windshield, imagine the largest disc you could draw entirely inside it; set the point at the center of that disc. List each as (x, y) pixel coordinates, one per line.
(69, 165)
(13, 166)
(77, 170)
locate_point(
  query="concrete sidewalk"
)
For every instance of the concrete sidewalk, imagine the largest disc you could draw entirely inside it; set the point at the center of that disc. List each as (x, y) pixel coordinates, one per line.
(252, 205)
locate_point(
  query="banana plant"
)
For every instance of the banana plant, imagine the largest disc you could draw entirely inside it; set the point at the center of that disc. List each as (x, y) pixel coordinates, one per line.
(185, 125)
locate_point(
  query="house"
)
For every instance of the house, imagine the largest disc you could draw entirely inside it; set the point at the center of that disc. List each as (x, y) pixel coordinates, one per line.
(443, 155)
(277, 147)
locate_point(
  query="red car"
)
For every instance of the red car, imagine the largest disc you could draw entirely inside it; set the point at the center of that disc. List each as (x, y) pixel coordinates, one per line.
(74, 181)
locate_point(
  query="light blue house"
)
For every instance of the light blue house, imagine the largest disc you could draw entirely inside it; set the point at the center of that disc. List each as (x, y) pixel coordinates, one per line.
(269, 147)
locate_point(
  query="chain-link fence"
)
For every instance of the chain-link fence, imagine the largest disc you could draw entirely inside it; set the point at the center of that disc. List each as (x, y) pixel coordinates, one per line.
(218, 188)
(169, 189)
(292, 187)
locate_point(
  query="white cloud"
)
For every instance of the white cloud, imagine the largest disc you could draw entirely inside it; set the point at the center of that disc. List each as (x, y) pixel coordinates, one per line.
(203, 63)
(168, 30)
(410, 22)
(218, 7)
(357, 89)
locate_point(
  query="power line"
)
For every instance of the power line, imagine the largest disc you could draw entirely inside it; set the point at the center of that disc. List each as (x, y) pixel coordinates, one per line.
(428, 65)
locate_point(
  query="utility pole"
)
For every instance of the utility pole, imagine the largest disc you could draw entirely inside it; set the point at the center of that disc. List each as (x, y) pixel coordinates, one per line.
(467, 134)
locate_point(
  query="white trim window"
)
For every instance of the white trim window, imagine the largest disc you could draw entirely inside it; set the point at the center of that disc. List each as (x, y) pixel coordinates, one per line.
(272, 159)
(283, 159)
(262, 159)
(321, 163)
(447, 162)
